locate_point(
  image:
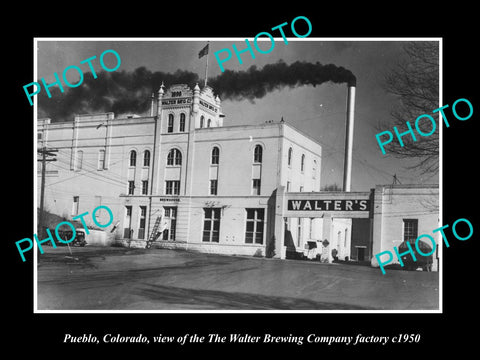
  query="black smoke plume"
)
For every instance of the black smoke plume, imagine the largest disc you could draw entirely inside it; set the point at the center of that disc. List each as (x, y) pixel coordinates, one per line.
(130, 92)
(255, 84)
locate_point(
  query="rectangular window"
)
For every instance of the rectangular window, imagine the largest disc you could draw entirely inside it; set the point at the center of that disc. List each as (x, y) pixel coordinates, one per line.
(131, 187)
(288, 186)
(76, 201)
(299, 232)
(144, 187)
(256, 187)
(254, 226)
(79, 162)
(141, 226)
(410, 230)
(168, 187)
(213, 187)
(127, 231)
(101, 159)
(211, 225)
(171, 217)
(172, 187)
(170, 123)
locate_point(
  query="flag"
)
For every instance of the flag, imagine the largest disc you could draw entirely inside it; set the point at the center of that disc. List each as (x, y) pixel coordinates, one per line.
(203, 52)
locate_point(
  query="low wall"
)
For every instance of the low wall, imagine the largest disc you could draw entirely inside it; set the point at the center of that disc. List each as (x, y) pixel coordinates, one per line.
(99, 238)
(209, 248)
(212, 248)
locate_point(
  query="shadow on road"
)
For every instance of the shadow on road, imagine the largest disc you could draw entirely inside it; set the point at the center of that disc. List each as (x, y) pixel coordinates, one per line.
(181, 298)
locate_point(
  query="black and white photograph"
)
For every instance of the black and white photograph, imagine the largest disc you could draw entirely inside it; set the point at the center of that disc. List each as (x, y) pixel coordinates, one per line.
(202, 179)
(254, 188)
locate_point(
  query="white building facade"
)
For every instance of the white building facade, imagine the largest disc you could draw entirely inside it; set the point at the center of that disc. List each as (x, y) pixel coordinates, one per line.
(211, 183)
(218, 188)
(403, 213)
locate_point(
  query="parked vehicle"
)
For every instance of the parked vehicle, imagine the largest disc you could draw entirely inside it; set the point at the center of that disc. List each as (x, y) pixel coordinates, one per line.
(67, 235)
(425, 262)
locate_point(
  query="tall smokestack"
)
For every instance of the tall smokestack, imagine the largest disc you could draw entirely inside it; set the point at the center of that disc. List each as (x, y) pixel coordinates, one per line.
(347, 165)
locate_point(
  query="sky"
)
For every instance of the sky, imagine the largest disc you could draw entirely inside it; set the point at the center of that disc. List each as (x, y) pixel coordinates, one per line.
(318, 111)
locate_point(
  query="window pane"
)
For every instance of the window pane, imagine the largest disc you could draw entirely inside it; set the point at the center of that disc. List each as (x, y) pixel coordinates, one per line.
(257, 155)
(216, 225)
(133, 158)
(146, 158)
(207, 225)
(173, 225)
(208, 213)
(259, 226)
(249, 238)
(250, 226)
(213, 187)
(178, 157)
(215, 155)
(250, 213)
(259, 238)
(410, 229)
(216, 213)
(260, 214)
(215, 236)
(206, 236)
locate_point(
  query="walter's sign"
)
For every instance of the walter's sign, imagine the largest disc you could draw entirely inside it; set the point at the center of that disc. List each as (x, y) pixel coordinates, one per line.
(328, 205)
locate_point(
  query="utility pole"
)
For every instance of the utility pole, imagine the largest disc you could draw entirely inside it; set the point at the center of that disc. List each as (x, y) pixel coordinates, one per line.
(44, 152)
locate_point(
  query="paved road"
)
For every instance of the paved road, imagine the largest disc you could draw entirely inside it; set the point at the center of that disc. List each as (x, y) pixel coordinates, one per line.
(157, 279)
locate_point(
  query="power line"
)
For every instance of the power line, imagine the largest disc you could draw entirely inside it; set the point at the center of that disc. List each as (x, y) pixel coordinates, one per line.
(86, 174)
(94, 167)
(50, 153)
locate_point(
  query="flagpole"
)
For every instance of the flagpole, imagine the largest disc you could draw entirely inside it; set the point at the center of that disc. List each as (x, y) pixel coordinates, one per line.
(206, 66)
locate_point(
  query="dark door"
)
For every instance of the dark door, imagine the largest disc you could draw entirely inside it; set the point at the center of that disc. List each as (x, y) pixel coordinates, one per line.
(361, 254)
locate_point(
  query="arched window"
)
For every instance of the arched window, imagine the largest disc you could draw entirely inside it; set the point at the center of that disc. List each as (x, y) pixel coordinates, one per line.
(209, 122)
(146, 158)
(174, 157)
(133, 158)
(170, 123)
(215, 156)
(257, 154)
(182, 122)
(302, 163)
(202, 121)
(290, 152)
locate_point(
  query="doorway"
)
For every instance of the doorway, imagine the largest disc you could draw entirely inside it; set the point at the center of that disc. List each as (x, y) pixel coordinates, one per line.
(127, 231)
(360, 253)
